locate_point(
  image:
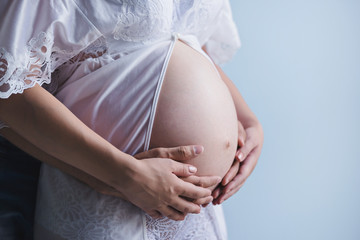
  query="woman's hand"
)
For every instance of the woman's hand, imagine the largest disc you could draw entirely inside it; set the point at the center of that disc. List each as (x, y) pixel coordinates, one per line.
(244, 163)
(188, 180)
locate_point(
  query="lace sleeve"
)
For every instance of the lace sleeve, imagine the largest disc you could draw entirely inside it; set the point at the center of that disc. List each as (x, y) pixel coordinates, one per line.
(16, 77)
(224, 40)
(37, 37)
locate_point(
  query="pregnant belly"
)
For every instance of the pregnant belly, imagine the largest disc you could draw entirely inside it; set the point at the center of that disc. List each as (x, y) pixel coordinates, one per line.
(195, 107)
(114, 98)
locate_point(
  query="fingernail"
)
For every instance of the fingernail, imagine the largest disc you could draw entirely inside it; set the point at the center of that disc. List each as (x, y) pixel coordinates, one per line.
(192, 169)
(240, 156)
(198, 149)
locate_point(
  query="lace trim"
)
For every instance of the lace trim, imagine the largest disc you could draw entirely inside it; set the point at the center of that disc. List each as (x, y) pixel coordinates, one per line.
(15, 78)
(140, 21)
(194, 17)
(72, 210)
(195, 226)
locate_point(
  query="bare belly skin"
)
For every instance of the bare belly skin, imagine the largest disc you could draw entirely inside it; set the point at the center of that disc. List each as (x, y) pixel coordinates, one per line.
(195, 107)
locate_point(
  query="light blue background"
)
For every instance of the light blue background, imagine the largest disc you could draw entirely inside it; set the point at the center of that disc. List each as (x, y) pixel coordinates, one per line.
(299, 70)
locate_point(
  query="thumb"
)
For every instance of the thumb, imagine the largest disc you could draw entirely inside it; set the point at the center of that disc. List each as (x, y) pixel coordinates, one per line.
(183, 170)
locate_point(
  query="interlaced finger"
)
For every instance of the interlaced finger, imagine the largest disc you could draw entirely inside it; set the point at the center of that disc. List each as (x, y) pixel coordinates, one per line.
(203, 181)
(189, 190)
(216, 192)
(184, 206)
(154, 214)
(241, 134)
(203, 201)
(238, 181)
(234, 169)
(172, 213)
(245, 150)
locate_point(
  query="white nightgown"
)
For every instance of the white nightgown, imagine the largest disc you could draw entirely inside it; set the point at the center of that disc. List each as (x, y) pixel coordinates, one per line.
(105, 60)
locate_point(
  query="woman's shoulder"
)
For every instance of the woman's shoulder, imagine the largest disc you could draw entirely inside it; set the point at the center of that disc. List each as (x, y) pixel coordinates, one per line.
(36, 37)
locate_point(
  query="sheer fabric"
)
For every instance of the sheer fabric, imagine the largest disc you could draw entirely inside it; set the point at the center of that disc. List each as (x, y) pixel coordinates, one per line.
(89, 53)
(38, 36)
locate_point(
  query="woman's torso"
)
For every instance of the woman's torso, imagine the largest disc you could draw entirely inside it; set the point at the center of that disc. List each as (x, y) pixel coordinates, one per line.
(198, 108)
(195, 107)
(139, 91)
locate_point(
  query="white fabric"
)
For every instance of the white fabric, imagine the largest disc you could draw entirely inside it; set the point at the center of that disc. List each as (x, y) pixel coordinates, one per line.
(35, 39)
(106, 61)
(53, 31)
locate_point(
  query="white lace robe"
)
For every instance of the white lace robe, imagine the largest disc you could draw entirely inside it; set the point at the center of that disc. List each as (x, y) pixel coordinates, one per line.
(70, 45)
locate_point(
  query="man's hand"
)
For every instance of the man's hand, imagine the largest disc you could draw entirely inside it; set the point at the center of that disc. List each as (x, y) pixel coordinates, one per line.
(183, 154)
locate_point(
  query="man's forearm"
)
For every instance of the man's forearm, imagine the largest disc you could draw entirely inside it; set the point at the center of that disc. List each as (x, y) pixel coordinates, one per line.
(29, 148)
(41, 119)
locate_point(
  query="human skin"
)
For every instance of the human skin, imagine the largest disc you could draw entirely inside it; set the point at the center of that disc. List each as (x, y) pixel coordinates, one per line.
(19, 114)
(195, 107)
(174, 153)
(40, 119)
(250, 141)
(182, 154)
(249, 130)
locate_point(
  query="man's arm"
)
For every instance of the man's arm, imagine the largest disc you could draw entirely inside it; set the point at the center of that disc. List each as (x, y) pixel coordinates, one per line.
(182, 153)
(29, 148)
(39, 118)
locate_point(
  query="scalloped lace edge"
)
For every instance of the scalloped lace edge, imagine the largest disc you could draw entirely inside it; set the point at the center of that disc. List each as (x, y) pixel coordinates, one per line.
(15, 78)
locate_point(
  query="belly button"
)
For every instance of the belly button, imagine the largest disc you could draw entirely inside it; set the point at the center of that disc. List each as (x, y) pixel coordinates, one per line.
(227, 145)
